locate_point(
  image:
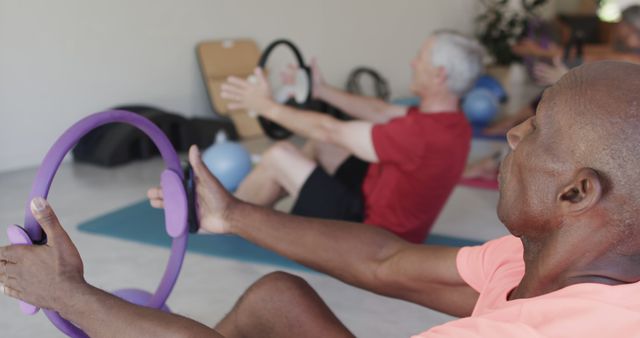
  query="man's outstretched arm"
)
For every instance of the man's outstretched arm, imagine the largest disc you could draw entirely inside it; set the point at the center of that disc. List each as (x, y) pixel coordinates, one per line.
(353, 136)
(361, 107)
(362, 255)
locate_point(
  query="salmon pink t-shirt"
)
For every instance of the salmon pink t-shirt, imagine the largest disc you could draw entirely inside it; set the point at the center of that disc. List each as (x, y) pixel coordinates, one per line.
(580, 310)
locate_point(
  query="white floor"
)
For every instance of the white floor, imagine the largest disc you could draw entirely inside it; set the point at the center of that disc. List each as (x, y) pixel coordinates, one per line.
(208, 286)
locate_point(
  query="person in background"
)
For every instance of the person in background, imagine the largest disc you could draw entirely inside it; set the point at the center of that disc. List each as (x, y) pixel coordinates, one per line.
(392, 167)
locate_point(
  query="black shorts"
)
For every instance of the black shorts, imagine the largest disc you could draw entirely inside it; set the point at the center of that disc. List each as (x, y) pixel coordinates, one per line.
(334, 197)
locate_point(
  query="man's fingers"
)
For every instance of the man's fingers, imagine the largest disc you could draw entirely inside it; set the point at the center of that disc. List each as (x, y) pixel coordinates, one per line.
(237, 81)
(10, 292)
(228, 95)
(231, 89)
(195, 160)
(200, 170)
(12, 253)
(9, 282)
(236, 106)
(155, 193)
(45, 216)
(10, 270)
(259, 75)
(158, 204)
(156, 198)
(4, 274)
(287, 78)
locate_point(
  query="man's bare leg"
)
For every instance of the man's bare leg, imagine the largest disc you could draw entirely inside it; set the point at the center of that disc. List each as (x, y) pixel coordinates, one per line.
(282, 171)
(328, 156)
(281, 305)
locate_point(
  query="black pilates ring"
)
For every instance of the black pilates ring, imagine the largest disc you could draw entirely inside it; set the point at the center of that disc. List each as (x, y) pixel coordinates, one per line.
(381, 85)
(272, 129)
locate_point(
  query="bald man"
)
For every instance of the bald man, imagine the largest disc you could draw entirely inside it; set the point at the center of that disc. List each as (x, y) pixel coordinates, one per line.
(570, 196)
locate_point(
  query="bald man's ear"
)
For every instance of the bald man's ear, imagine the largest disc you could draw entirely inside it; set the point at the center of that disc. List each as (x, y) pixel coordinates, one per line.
(584, 191)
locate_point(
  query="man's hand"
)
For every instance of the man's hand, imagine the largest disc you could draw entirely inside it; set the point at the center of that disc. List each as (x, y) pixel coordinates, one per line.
(546, 74)
(212, 200)
(288, 77)
(42, 275)
(253, 94)
(529, 47)
(317, 79)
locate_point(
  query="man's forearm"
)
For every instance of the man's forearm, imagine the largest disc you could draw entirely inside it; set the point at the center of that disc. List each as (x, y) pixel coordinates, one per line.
(100, 314)
(361, 107)
(309, 124)
(348, 251)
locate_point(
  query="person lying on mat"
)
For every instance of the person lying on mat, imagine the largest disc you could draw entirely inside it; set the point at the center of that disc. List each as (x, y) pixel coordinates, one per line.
(392, 167)
(569, 196)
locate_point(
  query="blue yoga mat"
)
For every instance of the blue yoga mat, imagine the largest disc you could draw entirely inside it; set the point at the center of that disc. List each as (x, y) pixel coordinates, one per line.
(141, 223)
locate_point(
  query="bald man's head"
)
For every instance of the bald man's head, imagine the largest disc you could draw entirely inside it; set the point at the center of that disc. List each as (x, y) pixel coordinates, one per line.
(599, 104)
(587, 127)
(602, 100)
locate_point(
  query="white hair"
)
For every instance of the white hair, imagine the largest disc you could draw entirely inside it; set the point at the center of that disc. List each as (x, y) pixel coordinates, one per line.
(460, 56)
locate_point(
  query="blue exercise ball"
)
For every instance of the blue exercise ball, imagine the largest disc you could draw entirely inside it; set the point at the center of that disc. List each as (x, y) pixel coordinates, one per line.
(493, 85)
(228, 161)
(480, 106)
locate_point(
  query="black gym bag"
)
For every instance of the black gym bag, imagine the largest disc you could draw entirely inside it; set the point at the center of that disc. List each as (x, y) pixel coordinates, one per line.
(117, 143)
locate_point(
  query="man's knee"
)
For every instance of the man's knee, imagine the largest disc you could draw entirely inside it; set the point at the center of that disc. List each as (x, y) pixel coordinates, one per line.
(283, 156)
(286, 165)
(267, 301)
(275, 283)
(268, 296)
(280, 151)
(280, 304)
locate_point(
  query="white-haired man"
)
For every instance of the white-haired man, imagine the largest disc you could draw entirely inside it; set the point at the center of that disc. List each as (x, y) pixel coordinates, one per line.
(392, 167)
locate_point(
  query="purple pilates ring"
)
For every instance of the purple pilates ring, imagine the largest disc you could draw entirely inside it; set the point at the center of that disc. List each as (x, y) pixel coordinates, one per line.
(175, 208)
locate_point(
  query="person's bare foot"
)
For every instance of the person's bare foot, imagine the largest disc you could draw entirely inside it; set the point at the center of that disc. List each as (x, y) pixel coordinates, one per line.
(502, 126)
(486, 169)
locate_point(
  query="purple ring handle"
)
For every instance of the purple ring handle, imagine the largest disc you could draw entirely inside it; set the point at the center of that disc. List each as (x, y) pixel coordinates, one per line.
(174, 212)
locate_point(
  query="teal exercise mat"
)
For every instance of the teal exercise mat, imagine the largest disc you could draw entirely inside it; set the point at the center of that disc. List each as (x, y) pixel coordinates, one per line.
(141, 223)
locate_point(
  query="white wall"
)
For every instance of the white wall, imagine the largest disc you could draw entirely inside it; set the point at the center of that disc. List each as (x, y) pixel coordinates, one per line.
(61, 60)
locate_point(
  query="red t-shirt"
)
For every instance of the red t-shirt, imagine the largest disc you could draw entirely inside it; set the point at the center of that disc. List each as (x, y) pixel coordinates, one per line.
(421, 158)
